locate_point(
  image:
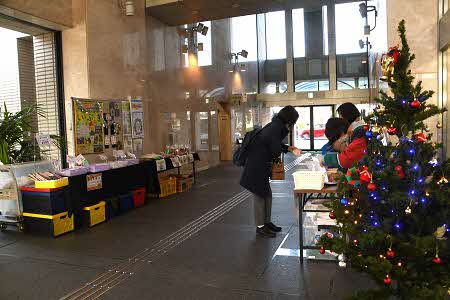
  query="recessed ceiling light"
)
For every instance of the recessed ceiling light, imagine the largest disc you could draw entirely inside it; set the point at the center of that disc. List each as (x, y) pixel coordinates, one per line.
(235, 5)
(195, 12)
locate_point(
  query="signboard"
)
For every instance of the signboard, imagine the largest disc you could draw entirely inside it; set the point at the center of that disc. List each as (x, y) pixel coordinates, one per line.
(94, 181)
(43, 140)
(89, 133)
(137, 119)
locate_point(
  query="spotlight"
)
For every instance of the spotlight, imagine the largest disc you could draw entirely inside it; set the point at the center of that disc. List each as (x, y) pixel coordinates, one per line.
(200, 46)
(199, 27)
(244, 53)
(205, 30)
(363, 10)
(361, 44)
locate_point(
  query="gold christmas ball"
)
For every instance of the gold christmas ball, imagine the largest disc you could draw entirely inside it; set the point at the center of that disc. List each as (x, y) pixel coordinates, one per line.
(375, 129)
(439, 125)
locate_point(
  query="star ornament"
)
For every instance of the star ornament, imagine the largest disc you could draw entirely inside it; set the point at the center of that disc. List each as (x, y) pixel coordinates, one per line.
(440, 232)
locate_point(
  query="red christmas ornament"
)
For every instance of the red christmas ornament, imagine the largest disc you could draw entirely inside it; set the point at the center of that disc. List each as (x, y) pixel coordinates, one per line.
(371, 187)
(392, 130)
(421, 137)
(366, 127)
(415, 104)
(365, 176)
(437, 260)
(331, 215)
(387, 279)
(399, 170)
(322, 250)
(390, 253)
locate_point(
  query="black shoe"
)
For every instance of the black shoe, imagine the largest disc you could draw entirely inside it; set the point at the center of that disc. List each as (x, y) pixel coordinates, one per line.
(273, 227)
(265, 232)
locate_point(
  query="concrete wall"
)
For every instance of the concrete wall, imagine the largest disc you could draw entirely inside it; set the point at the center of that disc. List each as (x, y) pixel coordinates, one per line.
(54, 11)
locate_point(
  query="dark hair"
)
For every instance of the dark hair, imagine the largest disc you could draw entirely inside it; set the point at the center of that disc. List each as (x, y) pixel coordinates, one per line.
(349, 112)
(335, 127)
(288, 115)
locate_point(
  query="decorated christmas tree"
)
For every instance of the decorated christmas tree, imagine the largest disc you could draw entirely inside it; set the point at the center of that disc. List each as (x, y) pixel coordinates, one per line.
(393, 207)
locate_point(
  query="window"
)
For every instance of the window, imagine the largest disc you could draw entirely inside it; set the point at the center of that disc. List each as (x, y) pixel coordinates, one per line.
(205, 56)
(349, 28)
(214, 131)
(276, 35)
(244, 37)
(298, 28)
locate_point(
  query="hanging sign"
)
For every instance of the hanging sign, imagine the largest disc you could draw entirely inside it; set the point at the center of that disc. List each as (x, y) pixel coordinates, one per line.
(94, 181)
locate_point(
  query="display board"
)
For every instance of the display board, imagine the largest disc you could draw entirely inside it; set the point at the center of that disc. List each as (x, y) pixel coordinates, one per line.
(137, 119)
(89, 135)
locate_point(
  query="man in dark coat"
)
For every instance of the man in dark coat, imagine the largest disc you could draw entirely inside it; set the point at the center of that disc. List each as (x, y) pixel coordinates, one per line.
(268, 144)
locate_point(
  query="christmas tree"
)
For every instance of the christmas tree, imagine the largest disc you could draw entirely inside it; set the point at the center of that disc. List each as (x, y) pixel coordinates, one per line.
(392, 208)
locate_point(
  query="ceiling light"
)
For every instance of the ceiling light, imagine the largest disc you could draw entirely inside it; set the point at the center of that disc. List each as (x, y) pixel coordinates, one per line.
(205, 30)
(235, 5)
(195, 12)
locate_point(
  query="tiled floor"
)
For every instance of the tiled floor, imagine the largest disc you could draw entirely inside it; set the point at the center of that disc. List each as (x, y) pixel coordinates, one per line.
(223, 260)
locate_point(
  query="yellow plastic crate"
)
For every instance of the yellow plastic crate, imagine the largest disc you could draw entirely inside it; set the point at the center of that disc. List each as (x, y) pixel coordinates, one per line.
(184, 183)
(51, 184)
(95, 214)
(48, 224)
(168, 186)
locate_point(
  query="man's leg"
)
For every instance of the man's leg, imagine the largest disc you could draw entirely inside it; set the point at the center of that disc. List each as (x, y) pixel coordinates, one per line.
(261, 208)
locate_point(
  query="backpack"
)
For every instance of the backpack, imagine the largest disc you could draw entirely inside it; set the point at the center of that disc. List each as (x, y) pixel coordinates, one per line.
(241, 153)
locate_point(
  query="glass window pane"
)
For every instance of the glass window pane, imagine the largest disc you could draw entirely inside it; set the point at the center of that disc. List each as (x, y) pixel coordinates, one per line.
(349, 28)
(243, 37)
(302, 133)
(276, 35)
(214, 131)
(310, 49)
(201, 131)
(205, 56)
(321, 115)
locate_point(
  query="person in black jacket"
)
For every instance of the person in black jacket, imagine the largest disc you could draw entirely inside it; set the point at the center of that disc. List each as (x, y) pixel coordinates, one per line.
(268, 144)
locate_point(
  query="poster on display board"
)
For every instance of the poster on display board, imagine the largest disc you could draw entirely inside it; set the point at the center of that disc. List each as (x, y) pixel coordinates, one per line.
(137, 118)
(88, 125)
(126, 119)
(138, 146)
(127, 144)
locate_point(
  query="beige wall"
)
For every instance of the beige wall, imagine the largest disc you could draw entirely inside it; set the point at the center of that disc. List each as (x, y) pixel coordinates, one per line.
(54, 11)
(421, 19)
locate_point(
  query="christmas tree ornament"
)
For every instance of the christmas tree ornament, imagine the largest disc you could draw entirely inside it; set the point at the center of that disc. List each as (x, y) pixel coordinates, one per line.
(387, 279)
(443, 180)
(408, 210)
(369, 134)
(434, 162)
(342, 264)
(427, 129)
(331, 215)
(380, 137)
(371, 187)
(341, 257)
(322, 250)
(390, 253)
(375, 129)
(415, 104)
(440, 232)
(349, 176)
(366, 127)
(399, 170)
(439, 125)
(437, 260)
(344, 201)
(392, 130)
(388, 62)
(365, 176)
(421, 98)
(421, 137)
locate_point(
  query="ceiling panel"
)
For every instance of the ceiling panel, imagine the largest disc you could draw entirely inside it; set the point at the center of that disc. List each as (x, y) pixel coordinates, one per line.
(172, 12)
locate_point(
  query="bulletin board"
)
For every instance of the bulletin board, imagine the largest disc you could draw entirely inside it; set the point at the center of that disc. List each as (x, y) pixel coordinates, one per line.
(88, 127)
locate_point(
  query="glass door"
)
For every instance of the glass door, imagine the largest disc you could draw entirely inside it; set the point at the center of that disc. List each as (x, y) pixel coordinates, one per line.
(302, 133)
(321, 114)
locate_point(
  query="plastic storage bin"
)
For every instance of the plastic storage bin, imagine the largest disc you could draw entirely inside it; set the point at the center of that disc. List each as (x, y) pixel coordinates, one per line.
(49, 225)
(112, 208)
(139, 197)
(51, 184)
(95, 214)
(99, 167)
(168, 186)
(184, 183)
(126, 202)
(43, 201)
(309, 180)
(74, 171)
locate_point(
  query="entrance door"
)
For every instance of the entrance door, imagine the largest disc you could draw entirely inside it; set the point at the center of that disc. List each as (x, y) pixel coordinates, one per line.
(309, 135)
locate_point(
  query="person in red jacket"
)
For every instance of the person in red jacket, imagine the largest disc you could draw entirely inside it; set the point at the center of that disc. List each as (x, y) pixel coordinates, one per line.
(356, 149)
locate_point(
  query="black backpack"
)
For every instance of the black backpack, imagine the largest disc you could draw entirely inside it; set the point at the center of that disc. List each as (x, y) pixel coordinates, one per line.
(241, 153)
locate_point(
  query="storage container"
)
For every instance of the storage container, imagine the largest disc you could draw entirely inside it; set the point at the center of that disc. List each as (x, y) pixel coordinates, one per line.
(168, 186)
(74, 171)
(184, 183)
(99, 167)
(126, 202)
(132, 161)
(47, 224)
(95, 214)
(43, 201)
(309, 180)
(51, 184)
(161, 165)
(118, 164)
(139, 197)
(112, 207)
